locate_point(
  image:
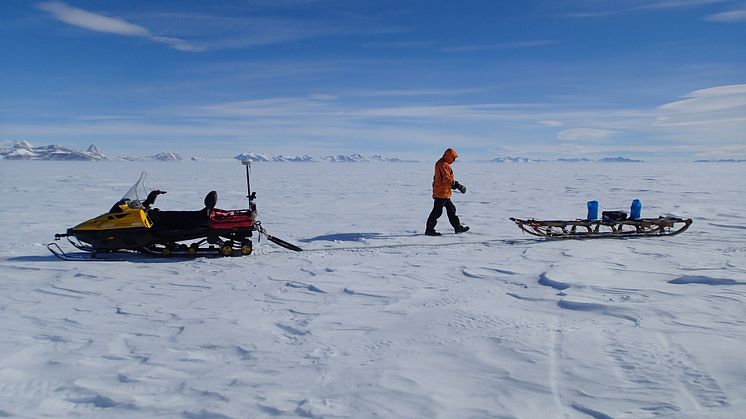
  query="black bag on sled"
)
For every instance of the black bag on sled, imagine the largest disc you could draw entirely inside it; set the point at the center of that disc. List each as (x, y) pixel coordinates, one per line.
(613, 216)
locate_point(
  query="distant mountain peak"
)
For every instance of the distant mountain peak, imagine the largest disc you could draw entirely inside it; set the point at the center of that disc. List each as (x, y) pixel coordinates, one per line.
(163, 156)
(339, 158)
(509, 159)
(23, 150)
(618, 160)
(350, 158)
(256, 157)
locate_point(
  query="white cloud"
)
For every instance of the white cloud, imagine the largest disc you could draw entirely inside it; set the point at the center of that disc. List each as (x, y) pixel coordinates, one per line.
(706, 106)
(675, 4)
(591, 9)
(506, 45)
(702, 120)
(730, 16)
(92, 21)
(584, 134)
(551, 123)
(715, 116)
(105, 24)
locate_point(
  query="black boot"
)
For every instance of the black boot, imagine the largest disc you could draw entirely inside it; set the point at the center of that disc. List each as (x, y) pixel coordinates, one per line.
(461, 229)
(430, 228)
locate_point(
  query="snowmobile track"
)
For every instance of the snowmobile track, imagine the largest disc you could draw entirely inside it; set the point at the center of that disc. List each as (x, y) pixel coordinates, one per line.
(423, 245)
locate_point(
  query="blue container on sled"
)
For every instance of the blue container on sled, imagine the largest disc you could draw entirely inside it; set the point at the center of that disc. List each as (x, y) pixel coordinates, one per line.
(635, 211)
(593, 210)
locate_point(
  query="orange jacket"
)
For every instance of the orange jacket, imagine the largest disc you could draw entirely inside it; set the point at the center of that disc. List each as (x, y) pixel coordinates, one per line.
(443, 178)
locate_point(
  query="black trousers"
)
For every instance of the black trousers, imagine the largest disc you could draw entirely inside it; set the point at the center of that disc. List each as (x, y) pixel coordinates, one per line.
(437, 211)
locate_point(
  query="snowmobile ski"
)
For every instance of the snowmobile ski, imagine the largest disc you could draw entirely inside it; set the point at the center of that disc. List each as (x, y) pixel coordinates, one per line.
(278, 241)
(57, 251)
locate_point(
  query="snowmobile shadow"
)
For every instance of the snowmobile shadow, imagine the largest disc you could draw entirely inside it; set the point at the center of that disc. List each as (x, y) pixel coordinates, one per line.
(105, 257)
(50, 258)
(355, 237)
(343, 237)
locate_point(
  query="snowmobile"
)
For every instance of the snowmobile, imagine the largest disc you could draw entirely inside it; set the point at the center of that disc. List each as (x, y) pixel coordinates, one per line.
(611, 224)
(133, 224)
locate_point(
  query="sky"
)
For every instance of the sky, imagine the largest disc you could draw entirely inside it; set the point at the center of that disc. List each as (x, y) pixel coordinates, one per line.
(403, 78)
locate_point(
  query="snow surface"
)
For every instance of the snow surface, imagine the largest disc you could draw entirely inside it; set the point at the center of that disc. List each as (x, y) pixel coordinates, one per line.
(375, 319)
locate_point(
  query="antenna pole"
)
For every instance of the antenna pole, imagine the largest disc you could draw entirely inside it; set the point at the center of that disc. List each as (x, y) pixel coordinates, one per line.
(247, 163)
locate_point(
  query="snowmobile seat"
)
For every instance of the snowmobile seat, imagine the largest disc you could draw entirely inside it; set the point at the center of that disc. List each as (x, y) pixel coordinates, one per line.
(185, 220)
(211, 199)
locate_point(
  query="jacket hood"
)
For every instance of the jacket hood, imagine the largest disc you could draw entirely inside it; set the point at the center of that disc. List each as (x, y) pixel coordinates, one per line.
(450, 155)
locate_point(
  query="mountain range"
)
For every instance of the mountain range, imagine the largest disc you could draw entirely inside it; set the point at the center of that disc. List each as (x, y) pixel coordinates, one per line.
(23, 150)
(339, 158)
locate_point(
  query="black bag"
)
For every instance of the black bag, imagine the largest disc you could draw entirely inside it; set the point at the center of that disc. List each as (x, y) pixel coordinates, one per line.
(613, 215)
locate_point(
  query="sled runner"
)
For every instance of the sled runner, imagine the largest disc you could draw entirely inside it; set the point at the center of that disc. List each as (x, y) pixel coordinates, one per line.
(133, 224)
(611, 226)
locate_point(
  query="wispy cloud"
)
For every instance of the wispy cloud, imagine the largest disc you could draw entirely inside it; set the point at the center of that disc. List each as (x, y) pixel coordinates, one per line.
(713, 115)
(505, 45)
(111, 25)
(729, 16)
(584, 134)
(603, 9)
(399, 44)
(198, 32)
(246, 31)
(550, 123)
(673, 4)
(417, 92)
(704, 120)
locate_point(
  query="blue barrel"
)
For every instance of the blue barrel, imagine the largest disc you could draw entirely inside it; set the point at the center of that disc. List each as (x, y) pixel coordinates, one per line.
(593, 210)
(635, 211)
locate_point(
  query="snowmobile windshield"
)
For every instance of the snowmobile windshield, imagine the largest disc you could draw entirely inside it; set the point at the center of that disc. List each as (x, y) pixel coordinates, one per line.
(134, 196)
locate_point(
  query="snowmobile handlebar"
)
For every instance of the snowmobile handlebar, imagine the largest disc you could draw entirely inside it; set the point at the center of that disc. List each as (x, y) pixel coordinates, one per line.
(150, 200)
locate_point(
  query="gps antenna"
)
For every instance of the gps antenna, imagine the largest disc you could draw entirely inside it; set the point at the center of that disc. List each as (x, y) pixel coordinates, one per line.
(249, 195)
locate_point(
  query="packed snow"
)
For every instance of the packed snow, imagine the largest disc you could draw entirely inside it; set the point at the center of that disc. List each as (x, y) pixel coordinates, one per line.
(374, 319)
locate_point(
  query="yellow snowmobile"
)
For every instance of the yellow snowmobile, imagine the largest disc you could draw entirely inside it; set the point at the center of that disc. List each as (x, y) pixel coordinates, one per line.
(133, 224)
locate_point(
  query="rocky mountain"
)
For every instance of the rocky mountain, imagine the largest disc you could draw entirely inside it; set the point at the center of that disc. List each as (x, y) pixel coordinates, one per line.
(278, 158)
(351, 158)
(618, 160)
(164, 156)
(339, 158)
(508, 159)
(378, 157)
(23, 150)
(574, 160)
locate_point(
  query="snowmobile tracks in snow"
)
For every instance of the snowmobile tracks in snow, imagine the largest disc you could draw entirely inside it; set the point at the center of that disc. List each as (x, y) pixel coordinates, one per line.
(425, 245)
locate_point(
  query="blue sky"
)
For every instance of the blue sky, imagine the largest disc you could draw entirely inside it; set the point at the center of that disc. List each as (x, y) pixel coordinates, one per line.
(537, 78)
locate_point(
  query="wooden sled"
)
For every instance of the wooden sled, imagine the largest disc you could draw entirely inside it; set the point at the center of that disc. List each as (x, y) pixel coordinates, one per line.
(592, 229)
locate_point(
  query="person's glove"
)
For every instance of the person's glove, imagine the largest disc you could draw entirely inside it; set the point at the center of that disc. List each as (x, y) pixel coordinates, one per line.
(461, 188)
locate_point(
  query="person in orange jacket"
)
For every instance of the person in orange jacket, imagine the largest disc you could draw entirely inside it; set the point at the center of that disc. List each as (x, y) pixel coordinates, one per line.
(443, 183)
